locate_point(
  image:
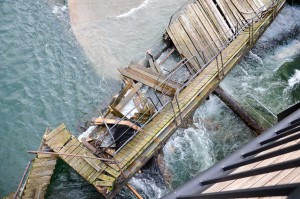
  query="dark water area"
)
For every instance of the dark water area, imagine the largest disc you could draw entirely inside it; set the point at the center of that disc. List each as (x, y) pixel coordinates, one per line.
(45, 80)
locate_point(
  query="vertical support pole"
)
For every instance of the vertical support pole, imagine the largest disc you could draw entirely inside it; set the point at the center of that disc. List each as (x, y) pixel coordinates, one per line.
(249, 35)
(252, 24)
(217, 59)
(221, 54)
(174, 115)
(158, 98)
(178, 108)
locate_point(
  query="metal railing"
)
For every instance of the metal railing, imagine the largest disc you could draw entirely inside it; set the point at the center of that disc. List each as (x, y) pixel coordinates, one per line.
(277, 142)
(22, 183)
(175, 101)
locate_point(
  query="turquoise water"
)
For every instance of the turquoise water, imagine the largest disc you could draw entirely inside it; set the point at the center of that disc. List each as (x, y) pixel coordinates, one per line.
(46, 79)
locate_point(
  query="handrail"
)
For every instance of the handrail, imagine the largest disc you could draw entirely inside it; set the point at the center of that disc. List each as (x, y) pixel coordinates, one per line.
(179, 9)
(220, 51)
(143, 126)
(248, 23)
(22, 179)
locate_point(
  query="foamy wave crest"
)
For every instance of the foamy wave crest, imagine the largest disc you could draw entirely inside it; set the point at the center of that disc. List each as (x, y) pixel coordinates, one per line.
(286, 21)
(295, 79)
(148, 187)
(59, 10)
(134, 10)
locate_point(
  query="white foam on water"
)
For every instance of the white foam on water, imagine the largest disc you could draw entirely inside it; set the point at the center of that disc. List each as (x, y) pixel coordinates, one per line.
(58, 10)
(284, 53)
(286, 21)
(148, 187)
(295, 79)
(86, 133)
(133, 10)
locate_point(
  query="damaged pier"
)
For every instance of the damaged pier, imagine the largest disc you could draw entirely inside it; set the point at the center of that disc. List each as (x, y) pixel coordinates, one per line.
(210, 37)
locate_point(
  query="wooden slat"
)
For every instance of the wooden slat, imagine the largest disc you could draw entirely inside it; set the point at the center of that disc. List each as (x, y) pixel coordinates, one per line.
(195, 38)
(204, 31)
(104, 183)
(230, 18)
(59, 140)
(184, 49)
(54, 132)
(178, 30)
(216, 18)
(166, 88)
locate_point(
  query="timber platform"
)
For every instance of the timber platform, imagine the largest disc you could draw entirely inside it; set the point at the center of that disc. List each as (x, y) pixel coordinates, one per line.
(210, 37)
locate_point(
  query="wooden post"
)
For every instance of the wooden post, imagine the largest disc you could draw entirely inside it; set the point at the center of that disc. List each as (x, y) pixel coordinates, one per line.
(134, 191)
(237, 109)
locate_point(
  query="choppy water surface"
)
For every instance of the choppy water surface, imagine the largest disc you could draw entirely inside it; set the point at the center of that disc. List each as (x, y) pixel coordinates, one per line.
(46, 79)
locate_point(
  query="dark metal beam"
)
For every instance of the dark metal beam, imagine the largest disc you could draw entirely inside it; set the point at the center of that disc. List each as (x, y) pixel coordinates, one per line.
(272, 145)
(277, 137)
(294, 125)
(277, 190)
(263, 157)
(267, 169)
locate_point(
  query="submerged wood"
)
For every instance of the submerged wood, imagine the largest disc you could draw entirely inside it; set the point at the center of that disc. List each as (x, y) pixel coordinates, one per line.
(237, 109)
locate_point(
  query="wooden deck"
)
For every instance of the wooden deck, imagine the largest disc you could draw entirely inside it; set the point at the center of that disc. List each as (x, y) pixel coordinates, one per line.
(286, 176)
(94, 170)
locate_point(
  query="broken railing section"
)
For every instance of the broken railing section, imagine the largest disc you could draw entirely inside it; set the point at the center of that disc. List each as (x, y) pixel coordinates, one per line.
(37, 174)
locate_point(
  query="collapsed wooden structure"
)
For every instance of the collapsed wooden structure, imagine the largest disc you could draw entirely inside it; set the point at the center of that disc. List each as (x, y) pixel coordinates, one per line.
(210, 38)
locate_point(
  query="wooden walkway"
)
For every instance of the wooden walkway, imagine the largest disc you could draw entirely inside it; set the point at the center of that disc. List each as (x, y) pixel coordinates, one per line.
(92, 169)
(204, 34)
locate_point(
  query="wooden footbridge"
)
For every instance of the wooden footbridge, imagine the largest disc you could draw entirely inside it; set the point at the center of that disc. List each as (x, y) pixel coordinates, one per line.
(210, 37)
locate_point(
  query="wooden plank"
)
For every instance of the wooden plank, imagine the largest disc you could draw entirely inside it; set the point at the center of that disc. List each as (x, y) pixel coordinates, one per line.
(92, 177)
(216, 18)
(195, 39)
(128, 86)
(76, 151)
(144, 79)
(184, 49)
(60, 128)
(104, 183)
(155, 66)
(129, 95)
(187, 41)
(41, 173)
(203, 36)
(205, 25)
(86, 170)
(113, 172)
(95, 165)
(106, 178)
(175, 42)
(167, 56)
(238, 17)
(227, 13)
(155, 76)
(44, 163)
(59, 140)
